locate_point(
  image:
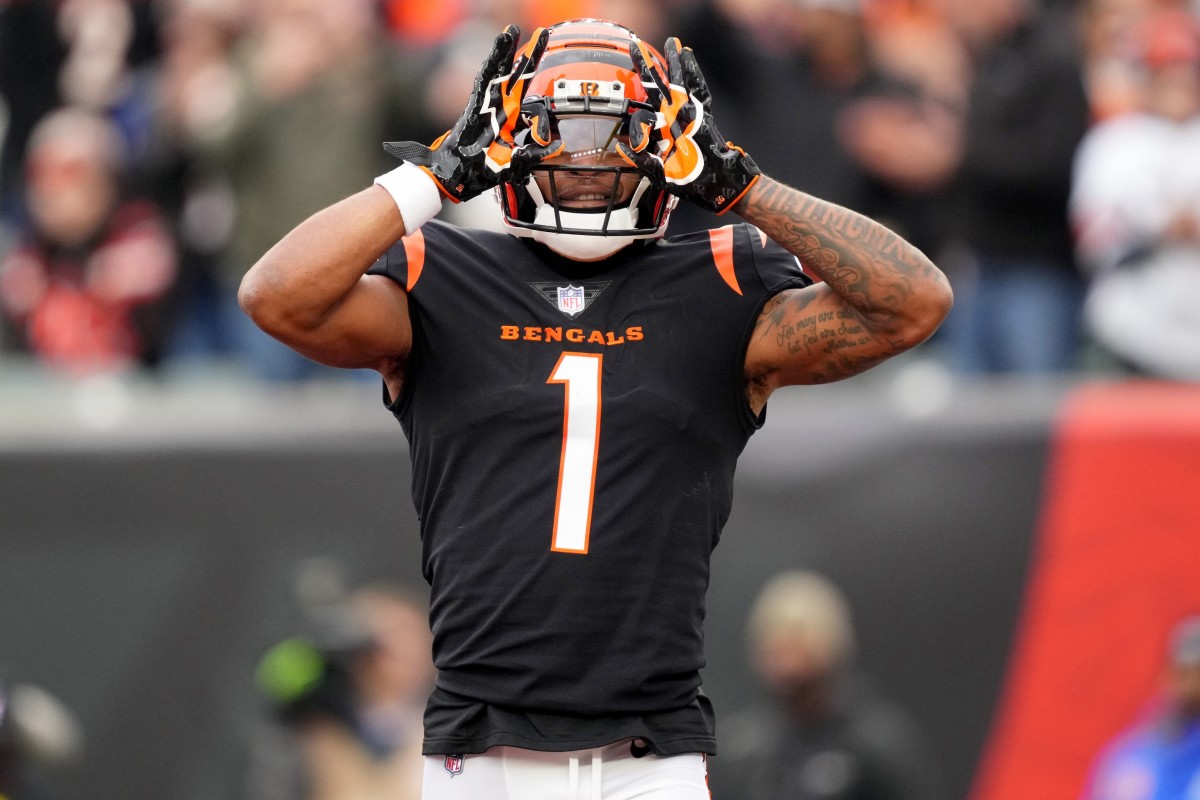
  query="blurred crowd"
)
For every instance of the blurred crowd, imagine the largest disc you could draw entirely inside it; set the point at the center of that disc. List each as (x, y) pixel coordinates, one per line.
(824, 730)
(346, 696)
(1045, 154)
(1158, 755)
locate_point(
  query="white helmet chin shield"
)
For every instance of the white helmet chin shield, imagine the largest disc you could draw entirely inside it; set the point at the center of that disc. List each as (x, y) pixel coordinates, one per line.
(586, 203)
(578, 246)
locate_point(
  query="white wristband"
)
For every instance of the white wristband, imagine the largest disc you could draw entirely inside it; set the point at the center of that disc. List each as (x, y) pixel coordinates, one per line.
(415, 193)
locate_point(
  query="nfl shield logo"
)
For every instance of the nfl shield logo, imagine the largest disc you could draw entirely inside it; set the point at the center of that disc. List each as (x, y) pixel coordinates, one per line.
(570, 300)
(454, 764)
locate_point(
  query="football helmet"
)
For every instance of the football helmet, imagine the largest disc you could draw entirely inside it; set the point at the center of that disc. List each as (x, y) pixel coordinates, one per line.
(588, 202)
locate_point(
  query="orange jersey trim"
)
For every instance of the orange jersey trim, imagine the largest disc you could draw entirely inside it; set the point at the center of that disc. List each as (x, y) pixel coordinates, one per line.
(414, 251)
(720, 240)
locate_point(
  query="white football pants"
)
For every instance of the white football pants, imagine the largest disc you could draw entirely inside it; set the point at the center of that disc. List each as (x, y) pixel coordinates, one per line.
(601, 773)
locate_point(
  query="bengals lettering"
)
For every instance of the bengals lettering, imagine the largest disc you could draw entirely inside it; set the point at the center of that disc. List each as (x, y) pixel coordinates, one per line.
(539, 333)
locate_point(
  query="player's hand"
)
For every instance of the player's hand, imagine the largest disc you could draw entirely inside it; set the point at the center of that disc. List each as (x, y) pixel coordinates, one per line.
(679, 147)
(481, 151)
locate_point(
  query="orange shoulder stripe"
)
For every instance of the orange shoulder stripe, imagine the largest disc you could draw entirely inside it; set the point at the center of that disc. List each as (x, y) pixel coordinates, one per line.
(720, 240)
(414, 251)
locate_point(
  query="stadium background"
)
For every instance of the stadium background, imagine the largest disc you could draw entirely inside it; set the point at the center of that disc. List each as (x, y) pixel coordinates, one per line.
(1014, 553)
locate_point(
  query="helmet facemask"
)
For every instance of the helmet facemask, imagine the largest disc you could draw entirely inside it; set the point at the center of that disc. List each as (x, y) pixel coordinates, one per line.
(587, 203)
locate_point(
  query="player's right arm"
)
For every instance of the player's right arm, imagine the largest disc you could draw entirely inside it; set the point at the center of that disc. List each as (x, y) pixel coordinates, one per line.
(310, 291)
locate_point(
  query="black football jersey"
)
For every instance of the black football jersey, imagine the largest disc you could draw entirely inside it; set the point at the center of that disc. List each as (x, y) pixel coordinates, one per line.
(574, 430)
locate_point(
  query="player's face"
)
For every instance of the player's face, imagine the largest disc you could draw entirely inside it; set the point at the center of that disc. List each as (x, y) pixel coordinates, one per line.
(588, 142)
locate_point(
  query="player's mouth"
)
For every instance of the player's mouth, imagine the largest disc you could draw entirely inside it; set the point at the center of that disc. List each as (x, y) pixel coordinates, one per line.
(585, 200)
(585, 197)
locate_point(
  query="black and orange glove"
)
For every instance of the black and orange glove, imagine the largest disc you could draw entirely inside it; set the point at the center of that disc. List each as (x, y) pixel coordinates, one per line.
(481, 150)
(679, 147)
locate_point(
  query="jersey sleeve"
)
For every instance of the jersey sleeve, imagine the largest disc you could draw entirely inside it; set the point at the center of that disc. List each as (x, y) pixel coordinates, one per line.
(439, 248)
(403, 261)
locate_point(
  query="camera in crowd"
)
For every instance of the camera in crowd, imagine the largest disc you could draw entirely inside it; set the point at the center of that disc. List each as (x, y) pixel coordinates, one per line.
(311, 676)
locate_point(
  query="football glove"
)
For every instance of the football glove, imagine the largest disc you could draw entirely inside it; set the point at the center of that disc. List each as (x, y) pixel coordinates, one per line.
(679, 147)
(481, 151)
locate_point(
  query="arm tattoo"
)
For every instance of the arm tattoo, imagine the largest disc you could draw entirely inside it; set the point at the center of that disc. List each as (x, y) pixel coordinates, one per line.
(866, 263)
(835, 345)
(878, 276)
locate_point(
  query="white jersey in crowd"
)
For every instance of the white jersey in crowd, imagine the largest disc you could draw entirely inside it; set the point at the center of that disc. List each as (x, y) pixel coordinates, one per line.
(1133, 174)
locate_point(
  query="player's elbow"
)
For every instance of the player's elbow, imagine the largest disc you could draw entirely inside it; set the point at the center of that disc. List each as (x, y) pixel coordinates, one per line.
(253, 298)
(264, 302)
(928, 310)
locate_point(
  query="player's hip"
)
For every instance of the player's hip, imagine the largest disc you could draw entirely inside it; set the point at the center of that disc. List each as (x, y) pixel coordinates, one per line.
(613, 772)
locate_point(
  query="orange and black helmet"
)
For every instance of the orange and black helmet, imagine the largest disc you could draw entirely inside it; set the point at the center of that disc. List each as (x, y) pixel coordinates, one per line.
(587, 84)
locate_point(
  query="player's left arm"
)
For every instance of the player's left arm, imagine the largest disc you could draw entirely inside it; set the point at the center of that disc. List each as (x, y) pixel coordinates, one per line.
(879, 295)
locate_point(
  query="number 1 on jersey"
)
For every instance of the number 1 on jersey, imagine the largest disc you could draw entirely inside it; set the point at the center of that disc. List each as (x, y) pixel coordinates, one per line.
(580, 375)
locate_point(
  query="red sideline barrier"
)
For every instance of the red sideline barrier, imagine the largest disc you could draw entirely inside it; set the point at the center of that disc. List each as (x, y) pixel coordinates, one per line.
(1117, 563)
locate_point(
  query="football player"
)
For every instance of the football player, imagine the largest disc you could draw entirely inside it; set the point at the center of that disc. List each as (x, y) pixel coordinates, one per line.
(576, 392)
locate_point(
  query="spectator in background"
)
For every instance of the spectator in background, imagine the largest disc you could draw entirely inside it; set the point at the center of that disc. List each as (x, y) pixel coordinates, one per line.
(908, 138)
(316, 84)
(198, 38)
(103, 42)
(85, 289)
(1113, 69)
(732, 34)
(791, 109)
(1158, 758)
(97, 34)
(424, 25)
(843, 121)
(39, 735)
(353, 731)
(449, 77)
(1010, 252)
(1136, 207)
(77, 53)
(733, 37)
(825, 735)
(30, 56)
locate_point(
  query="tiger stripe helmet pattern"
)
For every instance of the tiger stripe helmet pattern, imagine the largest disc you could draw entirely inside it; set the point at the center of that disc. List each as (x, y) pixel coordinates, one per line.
(584, 92)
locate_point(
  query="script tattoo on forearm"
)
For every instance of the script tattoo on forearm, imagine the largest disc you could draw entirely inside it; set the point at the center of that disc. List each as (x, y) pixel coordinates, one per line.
(874, 270)
(835, 344)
